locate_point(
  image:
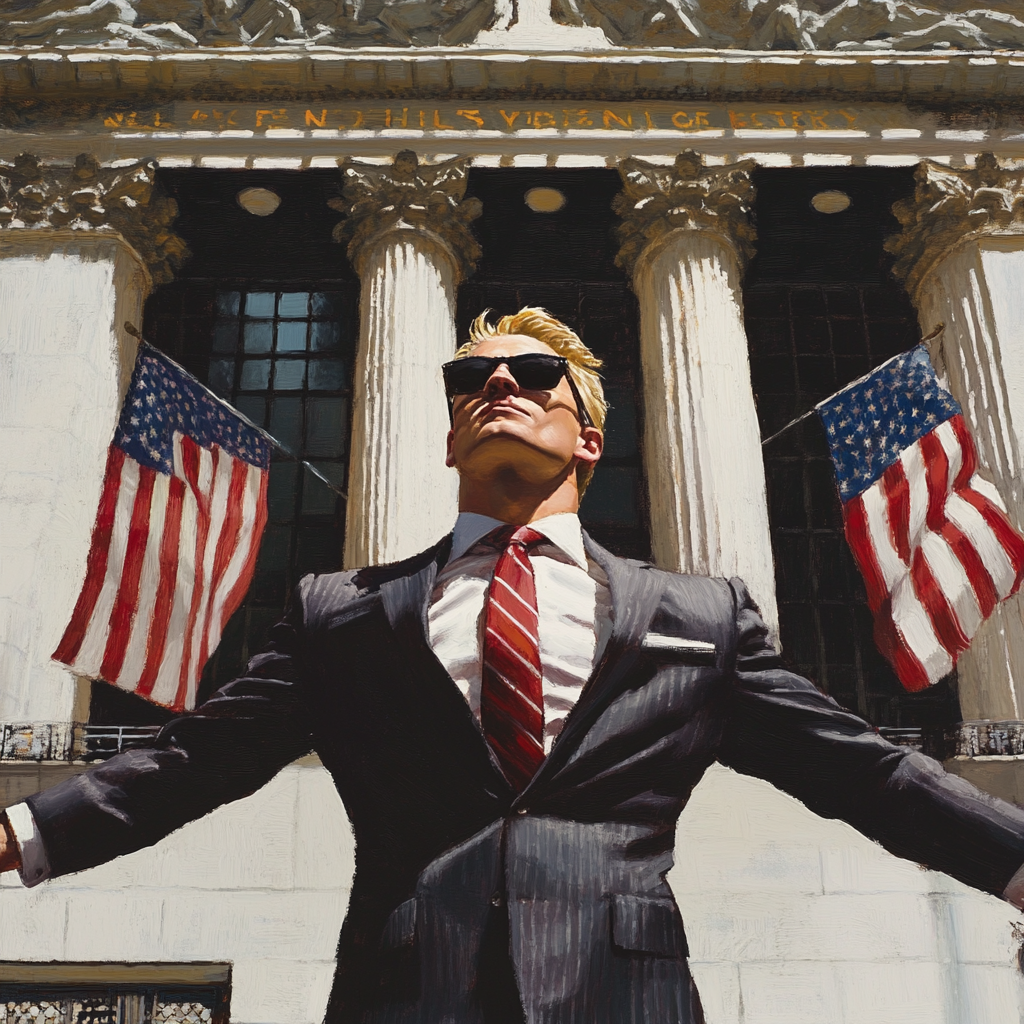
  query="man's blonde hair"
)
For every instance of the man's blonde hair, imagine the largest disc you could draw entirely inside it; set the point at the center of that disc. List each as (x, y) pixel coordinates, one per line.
(539, 324)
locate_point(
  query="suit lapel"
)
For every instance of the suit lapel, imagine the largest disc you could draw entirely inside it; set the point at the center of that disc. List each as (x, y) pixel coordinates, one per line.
(635, 595)
(406, 600)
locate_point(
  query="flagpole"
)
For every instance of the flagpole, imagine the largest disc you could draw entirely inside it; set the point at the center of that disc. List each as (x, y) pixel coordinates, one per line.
(131, 329)
(799, 419)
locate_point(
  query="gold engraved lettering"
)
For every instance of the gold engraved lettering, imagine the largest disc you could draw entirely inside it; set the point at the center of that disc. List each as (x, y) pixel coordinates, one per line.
(438, 124)
(312, 119)
(387, 117)
(157, 123)
(471, 115)
(278, 118)
(755, 120)
(850, 118)
(580, 117)
(422, 124)
(115, 121)
(610, 115)
(817, 118)
(700, 119)
(650, 123)
(358, 122)
(681, 120)
(199, 116)
(737, 120)
(544, 119)
(529, 117)
(780, 116)
(510, 119)
(404, 122)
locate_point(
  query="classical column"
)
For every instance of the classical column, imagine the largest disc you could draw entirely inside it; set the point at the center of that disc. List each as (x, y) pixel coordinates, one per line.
(961, 256)
(408, 236)
(80, 246)
(685, 235)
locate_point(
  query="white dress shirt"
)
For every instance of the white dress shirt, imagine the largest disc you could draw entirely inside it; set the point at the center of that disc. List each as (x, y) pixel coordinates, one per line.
(573, 610)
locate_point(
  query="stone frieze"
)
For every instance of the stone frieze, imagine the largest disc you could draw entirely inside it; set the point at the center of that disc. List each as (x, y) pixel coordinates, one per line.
(882, 25)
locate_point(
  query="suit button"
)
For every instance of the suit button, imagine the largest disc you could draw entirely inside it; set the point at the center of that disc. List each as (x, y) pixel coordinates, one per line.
(496, 900)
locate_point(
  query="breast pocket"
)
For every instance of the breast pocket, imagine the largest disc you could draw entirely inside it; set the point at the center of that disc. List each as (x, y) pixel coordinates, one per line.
(647, 925)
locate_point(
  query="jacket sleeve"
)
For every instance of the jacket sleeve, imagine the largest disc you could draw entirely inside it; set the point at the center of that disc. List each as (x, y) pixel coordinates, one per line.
(780, 727)
(226, 749)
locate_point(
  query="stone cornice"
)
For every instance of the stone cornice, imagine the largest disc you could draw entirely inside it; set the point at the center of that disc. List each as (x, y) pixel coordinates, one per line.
(86, 77)
(408, 196)
(657, 200)
(91, 198)
(950, 207)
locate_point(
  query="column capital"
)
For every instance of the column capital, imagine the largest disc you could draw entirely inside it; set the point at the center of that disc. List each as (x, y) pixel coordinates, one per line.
(657, 200)
(951, 206)
(88, 197)
(408, 196)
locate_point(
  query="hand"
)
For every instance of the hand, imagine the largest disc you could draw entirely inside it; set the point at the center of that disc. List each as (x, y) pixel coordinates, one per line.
(10, 855)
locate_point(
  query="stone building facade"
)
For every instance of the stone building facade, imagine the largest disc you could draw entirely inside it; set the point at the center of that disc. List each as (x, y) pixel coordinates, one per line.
(741, 207)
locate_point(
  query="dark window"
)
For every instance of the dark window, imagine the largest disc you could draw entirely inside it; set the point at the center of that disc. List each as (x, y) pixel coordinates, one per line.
(821, 310)
(266, 314)
(564, 261)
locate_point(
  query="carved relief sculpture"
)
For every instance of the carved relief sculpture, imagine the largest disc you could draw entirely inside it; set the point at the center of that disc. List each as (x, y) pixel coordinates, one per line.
(722, 24)
(184, 24)
(88, 197)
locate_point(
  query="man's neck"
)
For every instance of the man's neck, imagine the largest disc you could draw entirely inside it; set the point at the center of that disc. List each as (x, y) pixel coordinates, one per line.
(519, 505)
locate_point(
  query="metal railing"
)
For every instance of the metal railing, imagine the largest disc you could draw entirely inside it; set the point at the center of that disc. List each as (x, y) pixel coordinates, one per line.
(58, 741)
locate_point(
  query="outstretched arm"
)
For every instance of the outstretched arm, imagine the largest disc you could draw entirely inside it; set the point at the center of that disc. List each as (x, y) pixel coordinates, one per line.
(781, 728)
(228, 748)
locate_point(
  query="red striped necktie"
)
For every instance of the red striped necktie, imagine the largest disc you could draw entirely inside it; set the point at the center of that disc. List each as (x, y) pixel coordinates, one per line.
(511, 694)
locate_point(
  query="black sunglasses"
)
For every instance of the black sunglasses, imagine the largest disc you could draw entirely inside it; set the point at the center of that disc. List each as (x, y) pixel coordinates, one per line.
(534, 371)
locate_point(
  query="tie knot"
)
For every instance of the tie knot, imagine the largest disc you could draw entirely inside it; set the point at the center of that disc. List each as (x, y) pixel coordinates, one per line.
(521, 536)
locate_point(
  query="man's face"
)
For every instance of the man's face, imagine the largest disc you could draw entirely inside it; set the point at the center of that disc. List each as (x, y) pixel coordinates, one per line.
(505, 427)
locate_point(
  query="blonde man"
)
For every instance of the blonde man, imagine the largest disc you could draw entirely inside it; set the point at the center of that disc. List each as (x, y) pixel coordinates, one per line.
(515, 719)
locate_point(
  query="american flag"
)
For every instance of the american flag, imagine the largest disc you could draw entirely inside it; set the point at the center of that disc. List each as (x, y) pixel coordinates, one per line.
(182, 510)
(930, 535)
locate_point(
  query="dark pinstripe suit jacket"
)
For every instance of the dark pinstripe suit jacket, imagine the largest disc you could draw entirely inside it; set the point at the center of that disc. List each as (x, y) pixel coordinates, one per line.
(577, 861)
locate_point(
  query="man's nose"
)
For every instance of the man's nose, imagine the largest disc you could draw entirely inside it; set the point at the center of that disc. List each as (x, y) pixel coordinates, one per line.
(501, 382)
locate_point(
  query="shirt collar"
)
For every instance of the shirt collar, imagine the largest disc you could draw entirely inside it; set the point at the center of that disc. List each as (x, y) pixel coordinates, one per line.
(562, 529)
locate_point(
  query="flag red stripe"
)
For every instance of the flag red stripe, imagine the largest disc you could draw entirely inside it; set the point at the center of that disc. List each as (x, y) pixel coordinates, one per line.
(897, 495)
(1011, 541)
(190, 461)
(936, 470)
(981, 582)
(96, 563)
(969, 460)
(909, 670)
(237, 592)
(165, 589)
(940, 612)
(122, 615)
(227, 541)
(859, 539)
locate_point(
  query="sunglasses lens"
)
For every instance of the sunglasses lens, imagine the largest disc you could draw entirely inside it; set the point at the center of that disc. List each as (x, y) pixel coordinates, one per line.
(537, 372)
(466, 376)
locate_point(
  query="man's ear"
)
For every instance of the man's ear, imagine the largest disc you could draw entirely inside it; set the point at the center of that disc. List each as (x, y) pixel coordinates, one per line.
(449, 459)
(589, 445)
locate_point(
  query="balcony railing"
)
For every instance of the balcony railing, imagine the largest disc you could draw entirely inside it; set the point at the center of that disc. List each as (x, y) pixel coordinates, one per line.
(49, 741)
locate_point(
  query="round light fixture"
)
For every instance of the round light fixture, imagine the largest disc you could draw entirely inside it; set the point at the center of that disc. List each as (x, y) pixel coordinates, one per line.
(545, 200)
(260, 202)
(831, 201)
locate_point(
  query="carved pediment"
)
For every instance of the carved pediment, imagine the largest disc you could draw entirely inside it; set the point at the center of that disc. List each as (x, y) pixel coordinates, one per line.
(185, 24)
(802, 24)
(723, 24)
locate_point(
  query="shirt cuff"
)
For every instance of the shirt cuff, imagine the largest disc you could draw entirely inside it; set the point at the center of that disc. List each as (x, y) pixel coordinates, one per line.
(35, 866)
